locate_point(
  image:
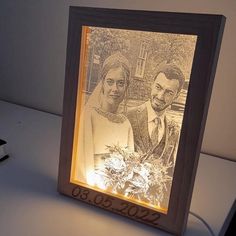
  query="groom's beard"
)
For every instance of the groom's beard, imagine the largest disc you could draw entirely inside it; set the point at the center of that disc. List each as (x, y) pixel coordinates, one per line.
(158, 105)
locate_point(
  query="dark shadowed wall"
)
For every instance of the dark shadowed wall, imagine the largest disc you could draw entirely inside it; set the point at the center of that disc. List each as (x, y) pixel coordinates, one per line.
(33, 38)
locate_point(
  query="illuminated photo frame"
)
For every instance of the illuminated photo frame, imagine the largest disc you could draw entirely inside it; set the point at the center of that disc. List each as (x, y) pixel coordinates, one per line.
(137, 90)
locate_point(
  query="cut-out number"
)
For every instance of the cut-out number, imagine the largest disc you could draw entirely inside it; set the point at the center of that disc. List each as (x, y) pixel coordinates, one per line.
(107, 202)
(98, 199)
(76, 191)
(153, 218)
(84, 194)
(143, 215)
(133, 210)
(123, 208)
(80, 193)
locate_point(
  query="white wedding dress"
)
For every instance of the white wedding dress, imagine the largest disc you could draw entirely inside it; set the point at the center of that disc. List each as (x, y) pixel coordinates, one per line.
(97, 130)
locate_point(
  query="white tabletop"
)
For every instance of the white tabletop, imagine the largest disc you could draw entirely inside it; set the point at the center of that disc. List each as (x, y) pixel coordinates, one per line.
(31, 206)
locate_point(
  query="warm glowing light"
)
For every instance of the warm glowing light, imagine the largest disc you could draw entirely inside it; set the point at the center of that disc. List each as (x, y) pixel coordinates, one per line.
(94, 179)
(99, 182)
(91, 178)
(125, 177)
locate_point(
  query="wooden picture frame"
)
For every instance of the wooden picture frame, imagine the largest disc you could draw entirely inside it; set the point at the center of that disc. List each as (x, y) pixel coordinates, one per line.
(99, 38)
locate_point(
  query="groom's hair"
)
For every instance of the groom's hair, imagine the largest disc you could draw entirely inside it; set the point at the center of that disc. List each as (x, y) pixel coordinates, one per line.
(171, 71)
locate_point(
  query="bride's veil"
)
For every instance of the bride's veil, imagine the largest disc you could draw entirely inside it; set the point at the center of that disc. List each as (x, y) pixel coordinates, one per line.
(85, 152)
(94, 99)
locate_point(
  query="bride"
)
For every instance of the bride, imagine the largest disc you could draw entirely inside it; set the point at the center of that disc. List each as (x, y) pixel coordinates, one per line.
(102, 123)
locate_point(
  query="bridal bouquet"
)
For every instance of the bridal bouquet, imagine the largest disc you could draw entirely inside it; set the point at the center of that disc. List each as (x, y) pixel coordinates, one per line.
(133, 175)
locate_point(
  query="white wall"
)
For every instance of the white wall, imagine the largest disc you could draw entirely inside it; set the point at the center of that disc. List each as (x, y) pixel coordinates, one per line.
(33, 51)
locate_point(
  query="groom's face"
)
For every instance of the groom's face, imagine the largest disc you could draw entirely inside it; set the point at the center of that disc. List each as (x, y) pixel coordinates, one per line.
(114, 86)
(164, 92)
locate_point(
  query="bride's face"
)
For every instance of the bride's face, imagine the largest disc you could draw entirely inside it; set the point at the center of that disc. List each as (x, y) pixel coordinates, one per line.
(114, 86)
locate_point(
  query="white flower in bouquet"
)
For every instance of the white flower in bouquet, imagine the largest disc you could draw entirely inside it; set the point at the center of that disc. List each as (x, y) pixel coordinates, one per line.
(115, 162)
(143, 170)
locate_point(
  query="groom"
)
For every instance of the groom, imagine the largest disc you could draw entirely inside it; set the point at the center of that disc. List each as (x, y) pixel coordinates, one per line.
(154, 133)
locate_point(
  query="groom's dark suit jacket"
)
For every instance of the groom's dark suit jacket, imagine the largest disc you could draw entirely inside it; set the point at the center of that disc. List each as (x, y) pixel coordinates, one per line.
(168, 145)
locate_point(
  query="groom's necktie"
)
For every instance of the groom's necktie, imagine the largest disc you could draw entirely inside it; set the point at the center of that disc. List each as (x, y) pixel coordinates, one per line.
(155, 131)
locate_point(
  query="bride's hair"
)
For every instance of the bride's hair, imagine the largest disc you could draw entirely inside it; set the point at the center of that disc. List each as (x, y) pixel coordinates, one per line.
(116, 60)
